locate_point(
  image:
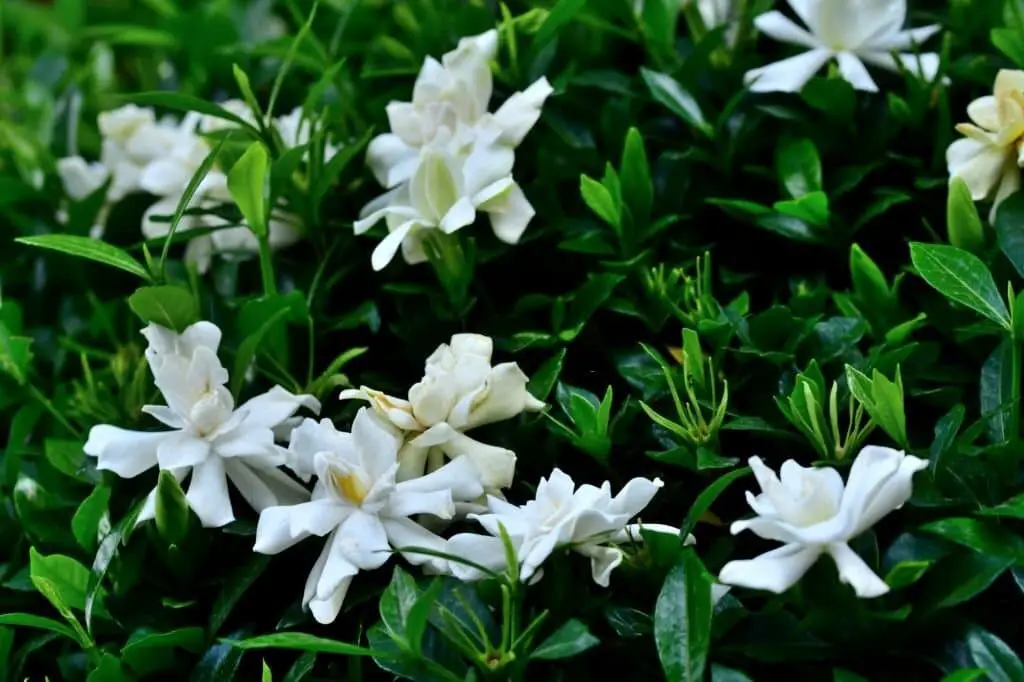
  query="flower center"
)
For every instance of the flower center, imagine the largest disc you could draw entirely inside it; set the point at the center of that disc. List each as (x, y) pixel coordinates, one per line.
(350, 487)
(210, 411)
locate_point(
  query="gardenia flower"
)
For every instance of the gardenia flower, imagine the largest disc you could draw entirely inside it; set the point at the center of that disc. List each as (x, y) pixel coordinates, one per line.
(459, 391)
(210, 439)
(445, 193)
(361, 507)
(587, 520)
(988, 159)
(447, 95)
(813, 514)
(852, 32)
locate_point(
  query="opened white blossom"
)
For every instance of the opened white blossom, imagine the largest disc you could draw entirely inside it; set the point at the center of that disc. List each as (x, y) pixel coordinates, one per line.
(447, 158)
(360, 507)
(460, 391)
(210, 439)
(447, 95)
(813, 513)
(852, 32)
(587, 520)
(989, 157)
(445, 193)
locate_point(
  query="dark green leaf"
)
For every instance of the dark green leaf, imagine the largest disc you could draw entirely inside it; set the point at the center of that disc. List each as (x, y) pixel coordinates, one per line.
(798, 167)
(86, 247)
(704, 501)
(964, 224)
(994, 656)
(171, 510)
(571, 639)
(682, 620)
(675, 98)
(961, 277)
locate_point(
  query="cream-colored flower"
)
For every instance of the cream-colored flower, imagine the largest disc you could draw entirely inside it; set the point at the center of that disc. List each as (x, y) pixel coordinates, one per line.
(459, 391)
(989, 157)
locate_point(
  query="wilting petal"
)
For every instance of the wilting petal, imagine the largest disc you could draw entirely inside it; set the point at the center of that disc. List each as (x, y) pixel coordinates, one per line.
(788, 75)
(520, 112)
(208, 494)
(395, 410)
(775, 571)
(126, 453)
(502, 396)
(495, 466)
(854, 572)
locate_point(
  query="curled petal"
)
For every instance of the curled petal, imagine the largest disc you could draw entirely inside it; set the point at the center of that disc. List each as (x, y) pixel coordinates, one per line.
(603, 560)
(978, 164)
(126, 453)
(775, 571)
(520, 112)
(494, 466)
(854, 572)
(502, 396)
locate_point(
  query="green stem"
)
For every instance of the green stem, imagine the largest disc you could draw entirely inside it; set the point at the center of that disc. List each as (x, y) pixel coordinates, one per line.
(45, 402)
(1015, 369)
(267, 267)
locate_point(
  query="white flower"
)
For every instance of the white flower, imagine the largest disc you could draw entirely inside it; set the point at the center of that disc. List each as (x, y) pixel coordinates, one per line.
(361, 508)
(210, 438)
(296, 131)
(460, 391)
(715, 13)
(445, 193)
(80, 179)
(812, 512)
(587, 520)
(988, 159)
(852, 32)
(450, 94)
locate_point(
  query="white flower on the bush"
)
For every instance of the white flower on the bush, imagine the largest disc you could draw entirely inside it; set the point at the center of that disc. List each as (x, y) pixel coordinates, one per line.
(445, 193)
(80, 179)
(587, 520)
(460, 390)
(989, 157)
(813, 513)
(361, 508)
(450, 94)
(850, 31)
(210, 438)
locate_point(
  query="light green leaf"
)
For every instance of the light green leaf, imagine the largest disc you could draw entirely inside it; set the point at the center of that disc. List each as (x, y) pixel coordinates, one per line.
(169, 306)
(91, 518)
(960, 276)
(305, 642)
(86, 247)
(247, 182)
(635, 174)
(798, 167)
(569, 640)
(600, 201)
(963, 223)
(171, 510)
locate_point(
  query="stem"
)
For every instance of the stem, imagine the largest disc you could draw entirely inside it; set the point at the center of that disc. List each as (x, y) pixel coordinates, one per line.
(1015, 388)
(267, 267)
(45, 402)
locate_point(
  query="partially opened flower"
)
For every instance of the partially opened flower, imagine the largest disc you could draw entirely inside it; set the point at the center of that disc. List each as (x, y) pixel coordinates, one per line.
(989, 157)
(460, 391)
(451, 94)
(444, 194)
(587, 520)
(813, 513)
(360, 506)
(850, 31)
(210, 439)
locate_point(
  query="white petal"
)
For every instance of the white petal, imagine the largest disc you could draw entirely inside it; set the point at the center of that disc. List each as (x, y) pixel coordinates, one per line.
(510, 213)
(274, 531)
(978, 164)
(263, 488)
(460, 479)
(905, 40)
(391, 159)
(503, 395)
(485, 550)
(635, 496)
(788, 75)
(182, 450)
(80, 179)
(328, 583)
(778, 26)
(126, 453)
(1008, 184)
(925, 66)
(377, 441)
(855, 73)
(152, 229)
(273, 407)
(208, 494)
(984, 111)
(854, 23)
(362, 541)
(775, 571)
(495, 466)
(407, 533)
(388, 247)
(520, 112)
(603, 560)
(854, 572)
(458, 216)
(165, 177)
(892, 492)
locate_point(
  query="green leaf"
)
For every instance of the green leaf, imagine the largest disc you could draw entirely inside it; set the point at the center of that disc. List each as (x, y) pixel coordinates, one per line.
(798, 167)
(171, 509)
(546, 376)
(53, 595)
(965, 675)
(996, 389)
(86, 247)
(105, 553)
(267, 675)
(560, 15)
(960, 276)
(67, 457)
(708, 497)
(719, 673)
(1009, 42)
(1009, 226)
(91, 518)
(571, 639)
(29, 620)
(668, 92)
(682, 620)
(1012, 508)
(980, 535)
(396, 602)
(961, 577)
(182, 102)
(242, 79)
(869, 284)
(304, 642)
(247, 182)
(994, 656)
(635, 172)
(301, 668)
(147, 652)
(810, 208)
(109, 670)
(419, 614)
(168, 306)
(247, 349)
(240, 580)
(68, 577)
(963, 223)
(906, 573)
(600, 201)
(333, 169)
(185, 201)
